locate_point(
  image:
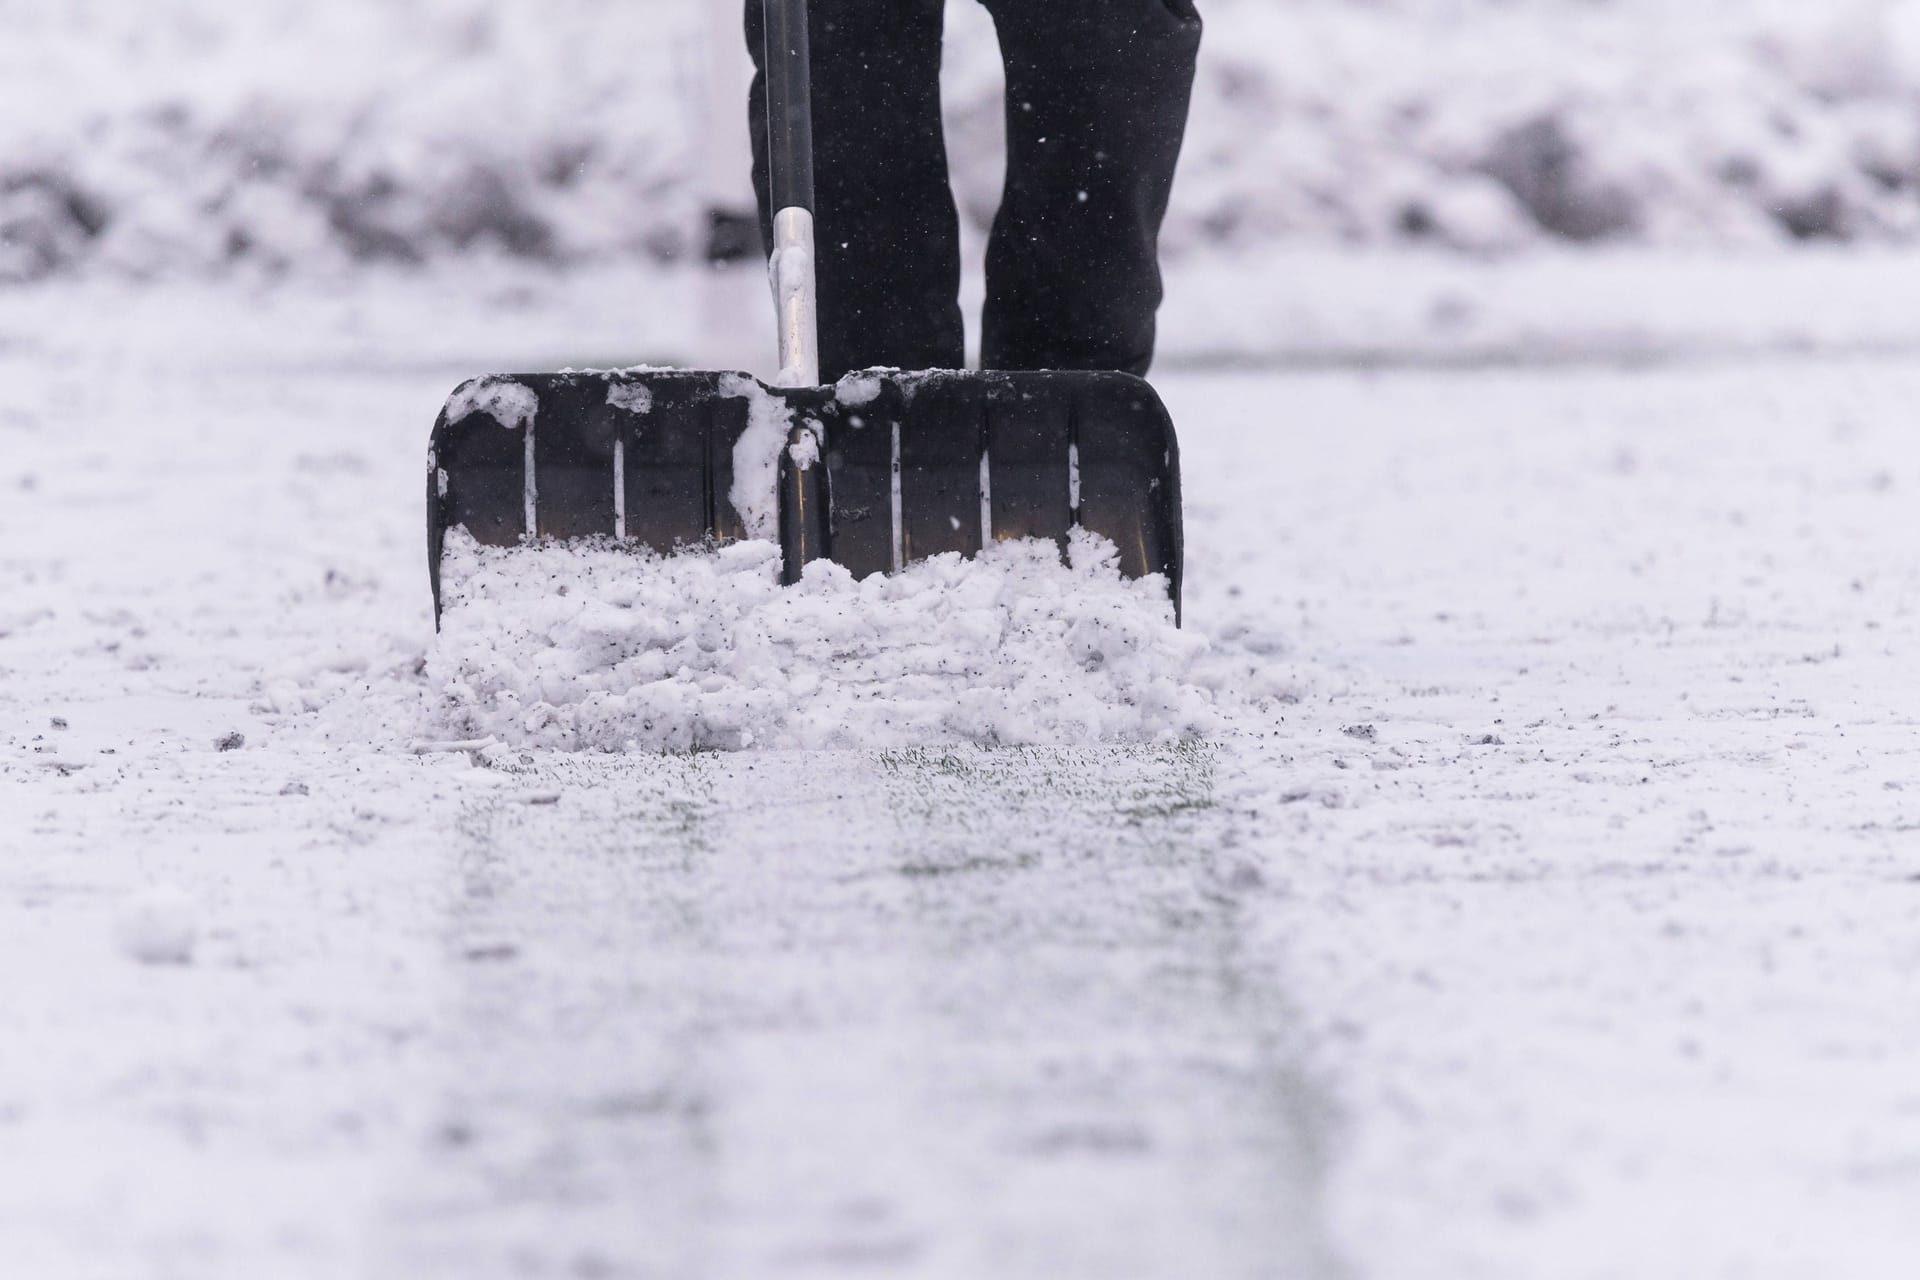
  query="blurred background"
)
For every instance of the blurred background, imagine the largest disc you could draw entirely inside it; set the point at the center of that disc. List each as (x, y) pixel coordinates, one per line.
(206, 138)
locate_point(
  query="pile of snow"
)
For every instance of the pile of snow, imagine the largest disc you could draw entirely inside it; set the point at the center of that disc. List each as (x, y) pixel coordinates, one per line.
(201, 135)
(598, 646)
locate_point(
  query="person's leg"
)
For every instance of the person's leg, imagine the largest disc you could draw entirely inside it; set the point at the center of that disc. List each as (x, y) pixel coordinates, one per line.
(1097, 96)
(888, 235)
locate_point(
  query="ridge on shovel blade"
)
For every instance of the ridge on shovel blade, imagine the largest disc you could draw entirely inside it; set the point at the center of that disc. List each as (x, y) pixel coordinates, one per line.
(879, 471)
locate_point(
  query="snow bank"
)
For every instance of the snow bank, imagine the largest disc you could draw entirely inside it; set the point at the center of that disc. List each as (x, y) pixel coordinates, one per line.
(1493, 124)
(196, 136)
(601, 647)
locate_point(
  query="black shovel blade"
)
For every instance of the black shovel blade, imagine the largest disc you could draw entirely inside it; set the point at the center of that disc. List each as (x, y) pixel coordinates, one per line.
(645, 458)
(918, 464)
(879, 471)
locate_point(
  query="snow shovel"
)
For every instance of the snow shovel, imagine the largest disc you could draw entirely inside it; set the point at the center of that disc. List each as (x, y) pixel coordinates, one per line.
(876, 472)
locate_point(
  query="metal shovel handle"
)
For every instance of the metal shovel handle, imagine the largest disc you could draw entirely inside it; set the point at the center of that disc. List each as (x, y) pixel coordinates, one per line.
(790, 168)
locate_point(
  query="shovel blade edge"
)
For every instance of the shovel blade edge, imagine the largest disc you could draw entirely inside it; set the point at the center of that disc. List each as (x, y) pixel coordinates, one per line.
(879, 471)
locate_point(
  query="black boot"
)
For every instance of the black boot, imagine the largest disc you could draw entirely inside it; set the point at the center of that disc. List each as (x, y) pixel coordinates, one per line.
(1097, 96)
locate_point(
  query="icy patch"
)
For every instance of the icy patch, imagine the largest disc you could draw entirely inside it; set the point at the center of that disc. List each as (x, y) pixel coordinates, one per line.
(507, 402)
(600, 647)
(756, 456)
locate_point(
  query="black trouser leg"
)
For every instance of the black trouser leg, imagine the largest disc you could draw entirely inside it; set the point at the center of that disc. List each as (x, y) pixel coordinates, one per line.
(888, 234)
(1097, 98)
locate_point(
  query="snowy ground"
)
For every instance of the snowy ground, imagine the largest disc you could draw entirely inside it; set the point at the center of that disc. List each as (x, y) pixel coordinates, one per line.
(1563, 920)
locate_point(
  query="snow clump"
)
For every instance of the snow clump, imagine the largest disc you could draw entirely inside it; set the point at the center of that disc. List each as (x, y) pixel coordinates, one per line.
(507, 402)
(601, 647)
(756, 456)
(159, 926)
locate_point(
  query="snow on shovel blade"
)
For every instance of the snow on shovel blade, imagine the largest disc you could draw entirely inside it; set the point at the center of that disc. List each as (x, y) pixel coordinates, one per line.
(642, 457)
(917, 464)
(875, 473)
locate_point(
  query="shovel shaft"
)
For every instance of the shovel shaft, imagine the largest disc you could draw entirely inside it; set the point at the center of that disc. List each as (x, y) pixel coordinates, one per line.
(790, 152)
(789, 105)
